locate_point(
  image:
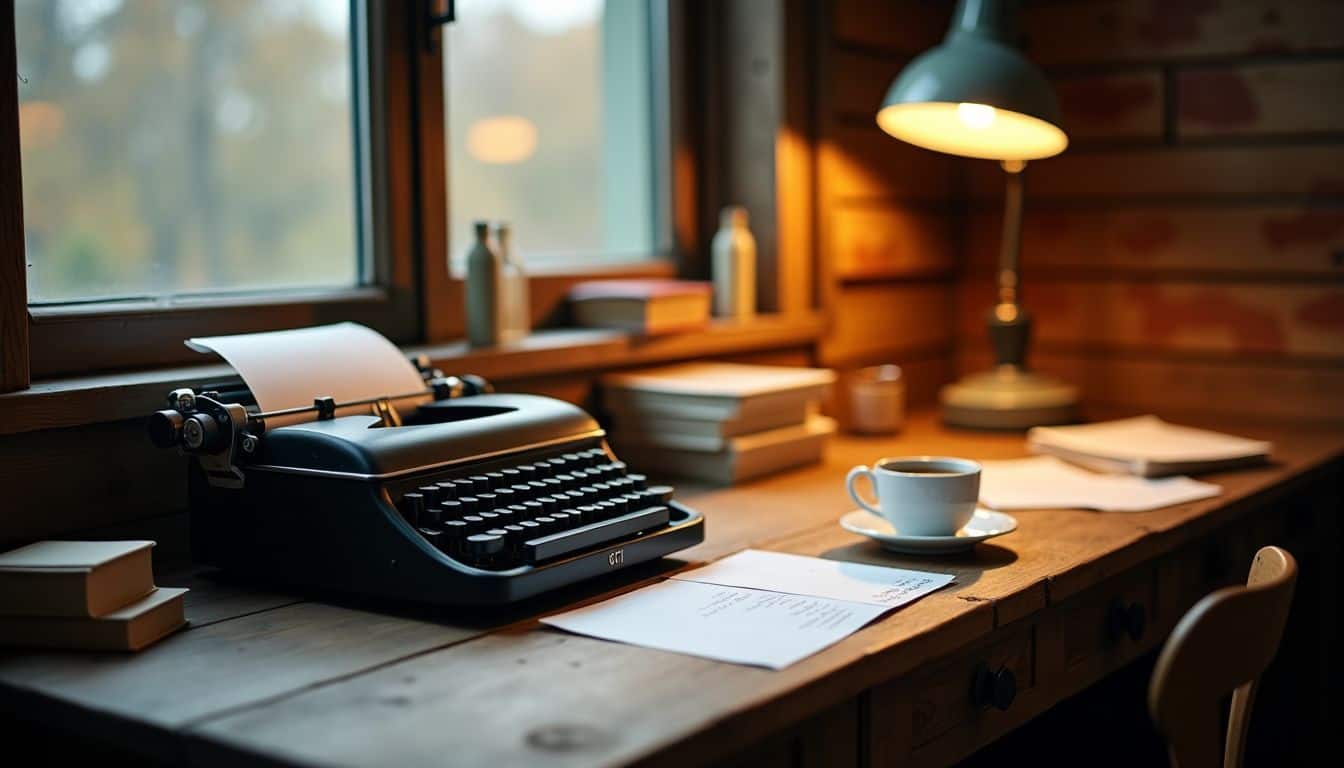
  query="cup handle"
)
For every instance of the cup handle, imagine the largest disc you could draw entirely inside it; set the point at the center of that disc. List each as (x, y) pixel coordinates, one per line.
(855, 474)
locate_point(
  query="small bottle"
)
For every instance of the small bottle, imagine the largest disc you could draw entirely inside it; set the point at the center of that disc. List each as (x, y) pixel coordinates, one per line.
(483, 280)
(516, 312)
(733, 257)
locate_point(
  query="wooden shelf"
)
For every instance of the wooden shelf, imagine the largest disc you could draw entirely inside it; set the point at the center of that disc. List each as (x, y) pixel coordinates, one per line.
(114, 397)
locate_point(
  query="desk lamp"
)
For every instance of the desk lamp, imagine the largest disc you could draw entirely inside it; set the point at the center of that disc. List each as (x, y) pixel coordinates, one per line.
(976, 95)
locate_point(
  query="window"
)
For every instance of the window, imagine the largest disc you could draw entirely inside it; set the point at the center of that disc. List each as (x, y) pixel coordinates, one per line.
(201, 167)
(187, 148)
(550, 126)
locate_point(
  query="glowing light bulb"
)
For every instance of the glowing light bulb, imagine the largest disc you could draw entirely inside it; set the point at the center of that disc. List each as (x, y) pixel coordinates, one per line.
(975, 116)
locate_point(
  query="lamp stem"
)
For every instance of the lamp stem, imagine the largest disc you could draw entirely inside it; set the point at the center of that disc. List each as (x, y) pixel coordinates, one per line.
(1009, 324)
(1011, 247)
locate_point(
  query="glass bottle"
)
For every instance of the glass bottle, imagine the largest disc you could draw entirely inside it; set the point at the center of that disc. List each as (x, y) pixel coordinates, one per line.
(733, 260)
(516, 312)
(483, 281)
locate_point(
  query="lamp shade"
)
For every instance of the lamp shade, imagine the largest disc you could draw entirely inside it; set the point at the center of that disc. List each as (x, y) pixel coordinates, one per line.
(976, 95)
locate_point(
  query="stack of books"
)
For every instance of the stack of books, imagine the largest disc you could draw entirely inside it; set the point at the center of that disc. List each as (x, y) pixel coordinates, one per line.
(718, 422)
(86, 595)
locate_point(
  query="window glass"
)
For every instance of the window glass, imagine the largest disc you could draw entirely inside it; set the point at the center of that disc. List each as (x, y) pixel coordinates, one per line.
(186, 147)
(549, 127)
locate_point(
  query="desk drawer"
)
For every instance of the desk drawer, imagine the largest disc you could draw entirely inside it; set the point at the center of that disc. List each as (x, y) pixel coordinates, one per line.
(977, 684)
(980, 689)
(1105, 627)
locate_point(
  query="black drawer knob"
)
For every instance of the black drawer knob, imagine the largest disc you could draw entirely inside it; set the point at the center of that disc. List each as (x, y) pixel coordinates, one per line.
(1125, 620)
(995, 688)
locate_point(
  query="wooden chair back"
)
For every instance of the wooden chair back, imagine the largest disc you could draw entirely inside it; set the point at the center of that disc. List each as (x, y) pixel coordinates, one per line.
(1223, 644)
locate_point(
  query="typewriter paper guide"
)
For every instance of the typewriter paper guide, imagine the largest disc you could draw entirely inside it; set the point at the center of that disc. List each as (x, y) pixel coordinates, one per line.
(345, 361)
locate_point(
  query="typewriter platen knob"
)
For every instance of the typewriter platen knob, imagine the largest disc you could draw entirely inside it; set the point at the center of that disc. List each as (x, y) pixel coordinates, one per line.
(165, 428)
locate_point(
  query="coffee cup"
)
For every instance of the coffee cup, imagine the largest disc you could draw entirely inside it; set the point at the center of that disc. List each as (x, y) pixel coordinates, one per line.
(921, 495)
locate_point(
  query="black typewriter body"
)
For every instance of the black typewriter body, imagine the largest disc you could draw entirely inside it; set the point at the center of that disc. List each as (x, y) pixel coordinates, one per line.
(479, 500)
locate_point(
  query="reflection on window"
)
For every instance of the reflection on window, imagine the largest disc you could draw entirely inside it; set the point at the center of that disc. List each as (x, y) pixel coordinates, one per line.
(185, 147)
(549, 126)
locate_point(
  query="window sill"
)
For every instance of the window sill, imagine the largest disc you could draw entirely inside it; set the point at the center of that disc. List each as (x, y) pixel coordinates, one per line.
(72, 402)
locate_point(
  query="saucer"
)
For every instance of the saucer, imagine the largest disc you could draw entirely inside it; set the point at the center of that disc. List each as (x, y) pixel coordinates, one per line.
(985, 524)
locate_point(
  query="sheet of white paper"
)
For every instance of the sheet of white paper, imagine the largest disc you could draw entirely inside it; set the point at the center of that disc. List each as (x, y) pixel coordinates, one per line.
(801, 575)
(743, 626)
(1150, 438)
(287, 369)
(1045, 482)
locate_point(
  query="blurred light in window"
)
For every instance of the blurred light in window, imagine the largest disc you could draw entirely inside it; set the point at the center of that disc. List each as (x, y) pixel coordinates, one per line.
(502, 140)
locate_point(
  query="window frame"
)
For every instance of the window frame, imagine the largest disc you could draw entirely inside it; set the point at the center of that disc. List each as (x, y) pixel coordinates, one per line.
(81, 337)
(412, 296)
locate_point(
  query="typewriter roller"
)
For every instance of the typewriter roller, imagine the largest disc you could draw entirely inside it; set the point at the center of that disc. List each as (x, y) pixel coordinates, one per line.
(474, 498)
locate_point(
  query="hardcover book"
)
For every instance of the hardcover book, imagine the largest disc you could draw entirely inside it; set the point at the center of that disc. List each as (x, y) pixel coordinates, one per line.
(646, 307)
(715, 391)
(129, 628)
(74, 578)
(743, 458)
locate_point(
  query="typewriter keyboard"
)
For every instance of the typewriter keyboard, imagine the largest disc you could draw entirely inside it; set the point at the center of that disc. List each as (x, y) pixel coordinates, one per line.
(550, 507)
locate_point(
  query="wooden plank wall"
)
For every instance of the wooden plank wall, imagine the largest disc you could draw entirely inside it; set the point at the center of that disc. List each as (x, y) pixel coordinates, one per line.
(1187, 252)
(887, 212)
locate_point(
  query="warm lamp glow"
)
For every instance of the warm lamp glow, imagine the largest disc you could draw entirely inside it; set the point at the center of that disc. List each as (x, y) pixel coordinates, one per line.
(502, 140)
(972, 130)
(975, 116)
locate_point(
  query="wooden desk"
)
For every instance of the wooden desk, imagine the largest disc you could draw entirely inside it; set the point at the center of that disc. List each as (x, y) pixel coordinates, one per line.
(261, 674)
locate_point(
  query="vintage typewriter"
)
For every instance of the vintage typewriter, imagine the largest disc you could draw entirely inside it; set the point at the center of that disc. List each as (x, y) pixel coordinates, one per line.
(469, 498)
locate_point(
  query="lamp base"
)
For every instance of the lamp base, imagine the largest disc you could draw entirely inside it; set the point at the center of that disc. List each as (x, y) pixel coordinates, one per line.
(1009, 398)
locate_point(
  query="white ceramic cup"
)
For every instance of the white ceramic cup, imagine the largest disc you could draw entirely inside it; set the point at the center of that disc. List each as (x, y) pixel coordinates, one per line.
(921, 495)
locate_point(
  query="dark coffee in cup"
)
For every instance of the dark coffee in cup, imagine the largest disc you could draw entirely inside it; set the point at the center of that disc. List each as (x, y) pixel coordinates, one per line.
(921, 495)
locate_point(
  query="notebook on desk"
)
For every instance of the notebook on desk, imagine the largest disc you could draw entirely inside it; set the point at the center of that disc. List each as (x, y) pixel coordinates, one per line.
(1148, 447)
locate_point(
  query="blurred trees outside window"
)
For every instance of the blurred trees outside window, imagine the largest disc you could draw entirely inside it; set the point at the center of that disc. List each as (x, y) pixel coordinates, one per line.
(185, 147)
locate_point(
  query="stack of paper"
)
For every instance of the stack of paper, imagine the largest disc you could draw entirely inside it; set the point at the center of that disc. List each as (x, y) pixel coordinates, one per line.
(766, 609)
(1146, 446)
(1045, 482)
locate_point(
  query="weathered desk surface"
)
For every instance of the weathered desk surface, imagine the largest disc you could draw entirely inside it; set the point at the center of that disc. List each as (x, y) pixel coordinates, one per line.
(261, 674)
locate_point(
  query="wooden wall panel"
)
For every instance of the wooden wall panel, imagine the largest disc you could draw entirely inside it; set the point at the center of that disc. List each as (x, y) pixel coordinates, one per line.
(887, 318)
(1170, 173)
(1068, 33)
(111, 475)
(886, 241)
(902, 26)
(1250, 241)
(858, 94)
(1198, 318)
(1117, 384)
(862, 162)
(1112, 107)
(1265, 99)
